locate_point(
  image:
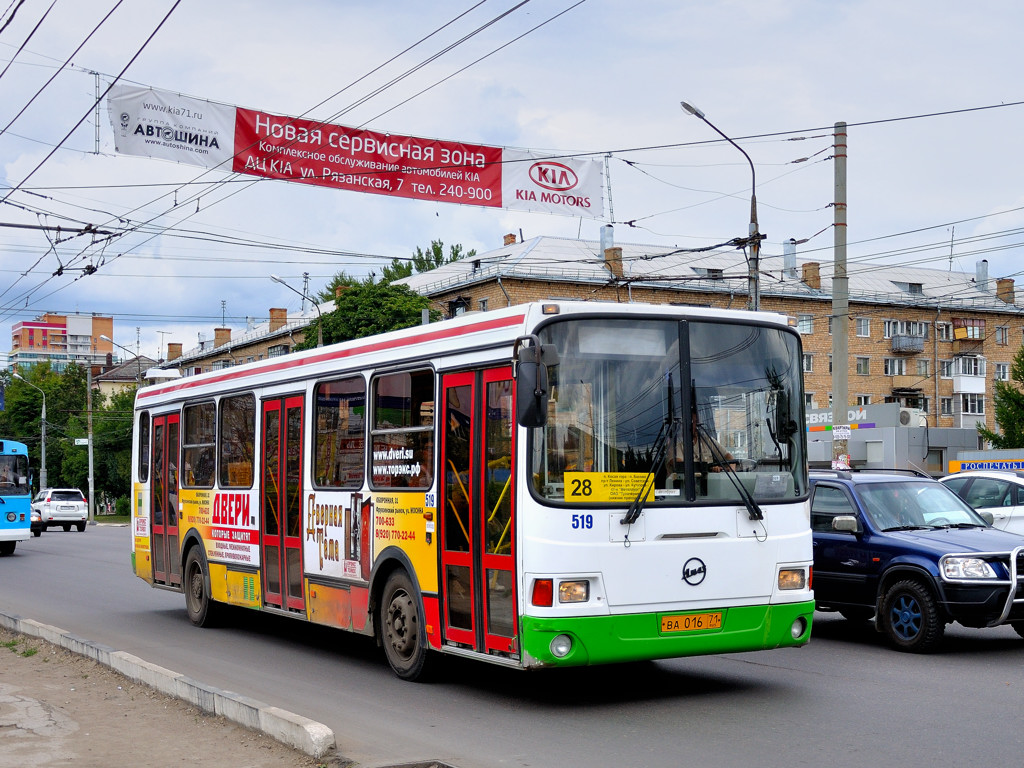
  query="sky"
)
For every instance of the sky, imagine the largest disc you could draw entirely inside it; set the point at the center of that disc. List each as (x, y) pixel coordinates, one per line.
(930, 92)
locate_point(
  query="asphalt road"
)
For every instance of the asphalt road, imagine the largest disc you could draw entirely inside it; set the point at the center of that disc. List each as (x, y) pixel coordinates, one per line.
(844, 700)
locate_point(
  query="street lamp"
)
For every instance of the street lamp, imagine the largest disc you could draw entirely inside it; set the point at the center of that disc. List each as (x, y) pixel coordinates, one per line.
(319, 317)
(42, 448)
(138, 362)
(755, 237)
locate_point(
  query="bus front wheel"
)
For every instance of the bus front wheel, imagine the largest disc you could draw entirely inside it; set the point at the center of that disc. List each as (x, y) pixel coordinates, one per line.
(401, 627)
(202, 611)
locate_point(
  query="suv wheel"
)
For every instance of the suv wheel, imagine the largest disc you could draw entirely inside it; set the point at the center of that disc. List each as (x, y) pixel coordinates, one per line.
(910, 617)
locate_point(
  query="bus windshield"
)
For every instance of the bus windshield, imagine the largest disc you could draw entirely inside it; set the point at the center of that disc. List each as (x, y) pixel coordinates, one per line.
(13, 475)
(702, 406)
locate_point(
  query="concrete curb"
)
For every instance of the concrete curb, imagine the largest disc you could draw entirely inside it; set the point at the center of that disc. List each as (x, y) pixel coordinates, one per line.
(309, 736)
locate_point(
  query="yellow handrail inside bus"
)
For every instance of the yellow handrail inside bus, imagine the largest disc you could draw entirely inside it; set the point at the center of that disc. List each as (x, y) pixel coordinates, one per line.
(502, 496)
(465, 495)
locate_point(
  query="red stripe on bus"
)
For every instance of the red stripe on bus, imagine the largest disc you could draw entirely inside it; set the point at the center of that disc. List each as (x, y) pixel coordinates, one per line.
(379, 346)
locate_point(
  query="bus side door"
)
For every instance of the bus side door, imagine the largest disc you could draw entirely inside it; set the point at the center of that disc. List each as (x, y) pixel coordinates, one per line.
(477, 524)
(281, 503)
(164, 500)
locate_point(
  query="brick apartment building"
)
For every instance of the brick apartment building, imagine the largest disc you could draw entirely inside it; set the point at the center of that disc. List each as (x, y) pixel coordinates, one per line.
(928, 339)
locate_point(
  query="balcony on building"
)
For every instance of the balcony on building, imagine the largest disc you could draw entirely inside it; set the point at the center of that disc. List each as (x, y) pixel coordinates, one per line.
(969, 375)
(907, 383)
(904, 344)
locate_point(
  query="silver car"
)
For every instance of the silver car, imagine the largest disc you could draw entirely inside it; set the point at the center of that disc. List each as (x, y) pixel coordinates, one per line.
(61, 506)
(999, 492)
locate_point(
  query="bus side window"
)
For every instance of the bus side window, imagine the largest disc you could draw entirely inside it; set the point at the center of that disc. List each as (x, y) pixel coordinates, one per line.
(402, 455)
(198, 444)
(339, 425)
(236, 440)
(143, 440)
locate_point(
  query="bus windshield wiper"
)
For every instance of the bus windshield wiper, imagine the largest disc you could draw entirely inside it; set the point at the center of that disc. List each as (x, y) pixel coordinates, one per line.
(666, 436)
(753, 510)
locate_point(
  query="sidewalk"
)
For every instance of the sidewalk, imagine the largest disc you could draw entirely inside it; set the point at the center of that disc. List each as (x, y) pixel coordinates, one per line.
(59, 707)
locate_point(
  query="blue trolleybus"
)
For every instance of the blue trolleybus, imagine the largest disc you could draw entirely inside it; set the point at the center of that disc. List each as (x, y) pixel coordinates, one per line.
(15, 495)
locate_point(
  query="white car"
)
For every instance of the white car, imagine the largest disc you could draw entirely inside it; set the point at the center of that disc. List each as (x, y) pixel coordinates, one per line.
(999, 492)
(61, 506)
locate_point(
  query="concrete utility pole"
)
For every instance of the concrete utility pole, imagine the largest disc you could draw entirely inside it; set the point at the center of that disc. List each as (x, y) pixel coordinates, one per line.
(88, 398)
(840, 310)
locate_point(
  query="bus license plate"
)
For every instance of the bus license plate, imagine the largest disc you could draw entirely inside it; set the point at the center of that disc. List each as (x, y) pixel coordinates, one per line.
(689, 622)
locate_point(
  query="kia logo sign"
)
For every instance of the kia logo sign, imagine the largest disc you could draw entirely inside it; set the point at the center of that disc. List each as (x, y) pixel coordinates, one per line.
(553, 176)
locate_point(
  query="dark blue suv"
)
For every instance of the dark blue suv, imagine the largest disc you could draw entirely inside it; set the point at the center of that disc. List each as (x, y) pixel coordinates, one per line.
(906, 550)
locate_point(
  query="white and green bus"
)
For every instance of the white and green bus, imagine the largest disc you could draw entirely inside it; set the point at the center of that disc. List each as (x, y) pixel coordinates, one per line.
(553, 484)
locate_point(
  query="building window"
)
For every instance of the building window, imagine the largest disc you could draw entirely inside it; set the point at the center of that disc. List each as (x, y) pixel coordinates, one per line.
(830, 363)
(894, 366)
(946, 406)
(805, 323)
(905, 328)
(808, 363)
(970, 366)
(277, 350)
(944, 331)
(1002, 335)
(863, 327)
(482, 303)
(923, 366)
(945, 369)
(1002, 371)
(863, 366)
(972, 404)
(966, 328)
(830, 325)
(863, 399)
(809, 400)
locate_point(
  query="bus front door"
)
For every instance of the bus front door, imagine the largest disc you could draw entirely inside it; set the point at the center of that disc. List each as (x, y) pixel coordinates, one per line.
(164, 502)
(281, 504)
(478, 521)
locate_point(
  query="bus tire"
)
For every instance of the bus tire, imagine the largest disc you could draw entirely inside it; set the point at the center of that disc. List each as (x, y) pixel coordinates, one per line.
(401, 627)
(202, 611)
(7, 547)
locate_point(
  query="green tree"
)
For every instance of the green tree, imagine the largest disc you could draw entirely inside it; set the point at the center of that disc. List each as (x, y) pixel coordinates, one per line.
(366, 309)
(65, 406)
(424, 261)
(342, 280)
(1008, 402)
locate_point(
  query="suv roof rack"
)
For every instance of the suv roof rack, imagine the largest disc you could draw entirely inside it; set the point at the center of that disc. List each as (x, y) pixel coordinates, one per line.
(846, 474)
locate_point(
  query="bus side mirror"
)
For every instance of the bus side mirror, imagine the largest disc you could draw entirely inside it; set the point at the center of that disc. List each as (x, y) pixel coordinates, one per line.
(531, 375)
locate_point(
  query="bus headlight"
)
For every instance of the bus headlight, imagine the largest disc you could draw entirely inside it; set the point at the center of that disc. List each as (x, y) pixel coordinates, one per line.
(793, 578)
(560, 646)
(574, 591)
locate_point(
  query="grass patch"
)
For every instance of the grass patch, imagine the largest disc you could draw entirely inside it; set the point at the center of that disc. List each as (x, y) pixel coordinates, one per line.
(12, 645)
(120, 519)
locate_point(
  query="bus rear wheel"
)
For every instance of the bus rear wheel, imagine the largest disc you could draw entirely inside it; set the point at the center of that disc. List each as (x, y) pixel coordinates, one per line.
(401, 627)
(7, 547)
(202, 611)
